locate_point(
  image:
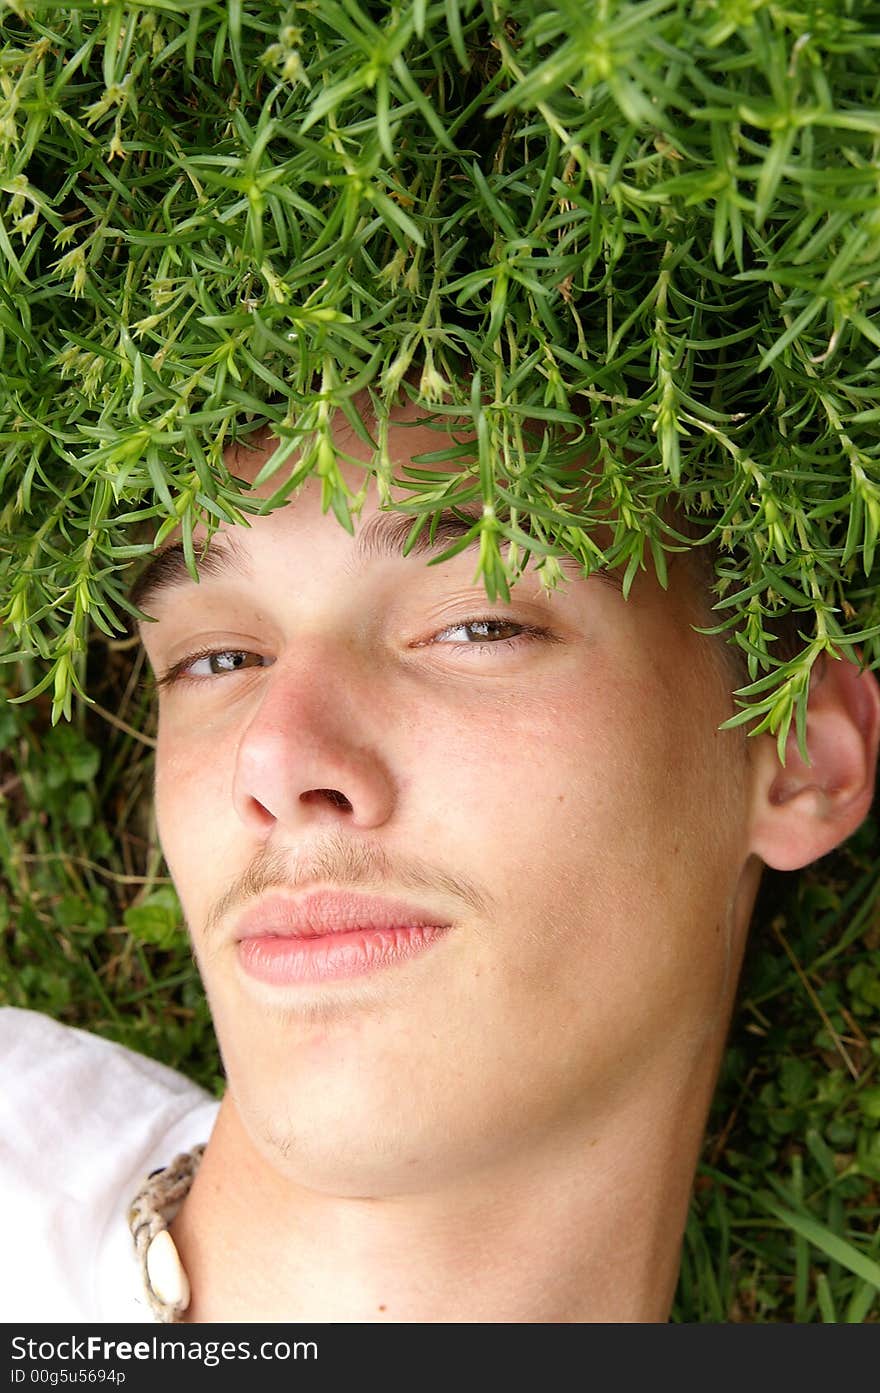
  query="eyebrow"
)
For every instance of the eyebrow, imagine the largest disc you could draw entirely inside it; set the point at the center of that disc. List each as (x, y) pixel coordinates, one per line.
(383, 536)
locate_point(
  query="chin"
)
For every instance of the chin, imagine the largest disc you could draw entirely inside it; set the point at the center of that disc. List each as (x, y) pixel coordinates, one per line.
(345, 1153)
(368, 1133)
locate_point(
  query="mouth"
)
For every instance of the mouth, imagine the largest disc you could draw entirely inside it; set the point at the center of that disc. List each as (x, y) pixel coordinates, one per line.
(329, 935)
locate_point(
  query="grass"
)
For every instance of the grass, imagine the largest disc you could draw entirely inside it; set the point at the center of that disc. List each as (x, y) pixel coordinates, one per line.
(92, 930)
(785, 1219)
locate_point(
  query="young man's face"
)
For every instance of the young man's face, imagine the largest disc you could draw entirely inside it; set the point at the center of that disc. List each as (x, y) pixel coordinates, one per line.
(541, 783)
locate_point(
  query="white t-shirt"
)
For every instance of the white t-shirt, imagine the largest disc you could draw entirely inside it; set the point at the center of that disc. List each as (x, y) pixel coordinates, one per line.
(82, 1123)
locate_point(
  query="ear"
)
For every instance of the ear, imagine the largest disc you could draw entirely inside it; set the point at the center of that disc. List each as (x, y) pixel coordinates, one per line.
(803, 810)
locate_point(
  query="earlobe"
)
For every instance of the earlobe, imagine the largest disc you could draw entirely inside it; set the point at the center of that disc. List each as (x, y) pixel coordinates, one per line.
(802, 811)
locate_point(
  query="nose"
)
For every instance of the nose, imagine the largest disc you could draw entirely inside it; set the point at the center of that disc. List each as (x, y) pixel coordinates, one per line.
(309, 753)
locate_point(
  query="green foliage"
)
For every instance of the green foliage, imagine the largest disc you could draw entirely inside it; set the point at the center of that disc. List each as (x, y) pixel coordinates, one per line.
(90, 927)
(156, 918)
(783, 1224)
(651, 230)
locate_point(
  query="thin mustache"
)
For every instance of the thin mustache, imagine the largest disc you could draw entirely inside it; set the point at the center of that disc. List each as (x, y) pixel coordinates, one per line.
(340, 862)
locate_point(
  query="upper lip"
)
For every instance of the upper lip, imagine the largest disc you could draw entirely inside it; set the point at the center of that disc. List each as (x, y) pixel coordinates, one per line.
(328, 912)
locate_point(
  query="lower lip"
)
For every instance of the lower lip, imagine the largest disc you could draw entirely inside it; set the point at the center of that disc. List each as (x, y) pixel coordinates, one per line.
(282, 960)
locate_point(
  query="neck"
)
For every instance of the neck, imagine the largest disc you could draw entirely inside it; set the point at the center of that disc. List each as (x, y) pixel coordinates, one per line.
(585, 1227)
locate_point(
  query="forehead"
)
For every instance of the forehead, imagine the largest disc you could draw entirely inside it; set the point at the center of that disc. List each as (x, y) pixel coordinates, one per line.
(380, 532)
(302, 525)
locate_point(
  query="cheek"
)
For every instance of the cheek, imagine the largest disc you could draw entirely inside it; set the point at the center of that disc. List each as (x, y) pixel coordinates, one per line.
(193, 797)
(589, 745)
(479, 754)
(531, 781)
(594, 802)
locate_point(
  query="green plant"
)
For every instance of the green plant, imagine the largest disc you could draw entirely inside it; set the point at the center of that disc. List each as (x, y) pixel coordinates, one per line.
(645, 231)
(90, 927)
(783, 1223)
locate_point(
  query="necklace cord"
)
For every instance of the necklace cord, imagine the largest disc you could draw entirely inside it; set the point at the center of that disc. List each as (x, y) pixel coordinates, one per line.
(152, 1210)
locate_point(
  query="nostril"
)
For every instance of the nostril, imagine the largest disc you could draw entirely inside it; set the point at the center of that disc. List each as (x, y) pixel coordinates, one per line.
(338, 799)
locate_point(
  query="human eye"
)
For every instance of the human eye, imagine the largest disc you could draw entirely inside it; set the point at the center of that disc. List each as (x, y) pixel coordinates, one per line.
(210, 663)
(488, 631)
